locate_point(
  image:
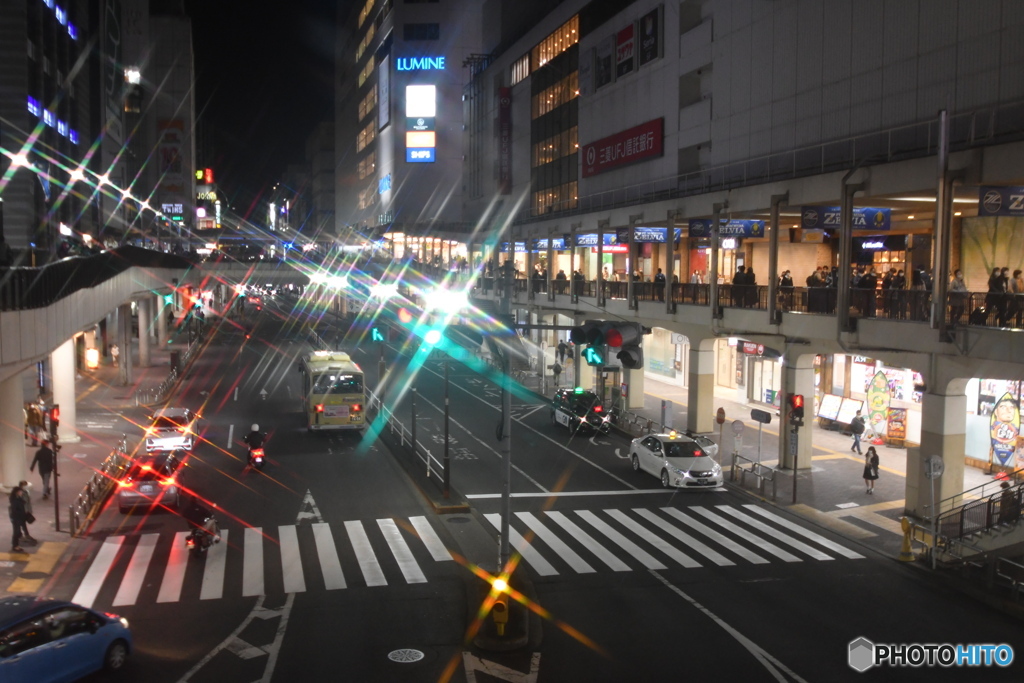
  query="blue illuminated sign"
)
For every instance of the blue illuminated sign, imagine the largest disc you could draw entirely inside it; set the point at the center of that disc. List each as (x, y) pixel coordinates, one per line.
(701, 227)
(590, 239)
(420, 63)
(642, 234)
(419, 154)
(828, 217)
(384, 184)
(1001, 201)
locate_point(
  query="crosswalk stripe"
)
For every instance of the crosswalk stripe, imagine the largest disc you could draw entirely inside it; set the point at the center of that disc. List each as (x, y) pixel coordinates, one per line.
(330, 565)
(618, 539)
(400, 549)
(291, 561)
(665, 547)
(368, 564)
(713, 555)
(213, 572)
(806, 533)
(571, 557)
(174, 573)
(721, 539)
(134, 577)
(523, 547)
(775, 533)
(430, 539)
(93, 581)
(588, 541)
(746, 535)
(252, 563)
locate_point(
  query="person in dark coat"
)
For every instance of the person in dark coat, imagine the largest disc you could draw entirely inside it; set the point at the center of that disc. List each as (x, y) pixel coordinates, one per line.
(870, 469)
(44, 458)
(16, 510)
(868, 282)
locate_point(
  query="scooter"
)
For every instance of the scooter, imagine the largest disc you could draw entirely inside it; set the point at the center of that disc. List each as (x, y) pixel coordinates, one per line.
(202, 537)
(256, 458)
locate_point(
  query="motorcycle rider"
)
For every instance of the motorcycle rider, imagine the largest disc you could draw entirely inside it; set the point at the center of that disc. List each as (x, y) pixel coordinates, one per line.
(201, 519)
(254, 439)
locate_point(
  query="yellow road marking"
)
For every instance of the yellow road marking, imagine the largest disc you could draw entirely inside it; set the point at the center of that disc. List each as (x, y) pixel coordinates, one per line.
(40, 562)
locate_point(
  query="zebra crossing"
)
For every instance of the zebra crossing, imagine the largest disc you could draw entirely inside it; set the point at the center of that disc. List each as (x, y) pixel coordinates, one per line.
(720, 535)
(163, 560)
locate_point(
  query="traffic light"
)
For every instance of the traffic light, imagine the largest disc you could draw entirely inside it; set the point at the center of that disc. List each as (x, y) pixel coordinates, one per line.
(54, 420)
(594, 333)
(603, 335)
(376, 335)
(630, 354)
(796, 407)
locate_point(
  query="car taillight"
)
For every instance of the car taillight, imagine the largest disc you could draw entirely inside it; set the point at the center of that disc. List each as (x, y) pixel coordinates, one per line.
(124, 483)
(147, 468)
(169, 482)
(320, 407)
(356, 408)
(190, 542)
(598, 409)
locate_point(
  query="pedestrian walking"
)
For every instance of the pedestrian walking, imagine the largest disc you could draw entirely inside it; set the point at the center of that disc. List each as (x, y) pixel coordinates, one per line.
(115, 353)
(870, 469)
(1009, 510)
(44, 458)
(556, 370)
(856, 428)
(563, 348)
(16, 511)
(29, 517)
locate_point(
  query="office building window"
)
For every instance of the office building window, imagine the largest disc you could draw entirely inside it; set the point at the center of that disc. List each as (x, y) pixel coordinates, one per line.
(556, 147)
(366, 135)
(367, 196)
(520, 69)
(561, 198)
(558, 94)
(365, 12)
(368, 103)
(421, 31)
(559, 41)
(367, 39)
(367, 71)
(368, 165)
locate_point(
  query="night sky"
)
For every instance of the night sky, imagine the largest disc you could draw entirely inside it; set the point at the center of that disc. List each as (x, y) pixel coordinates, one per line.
(264, 79)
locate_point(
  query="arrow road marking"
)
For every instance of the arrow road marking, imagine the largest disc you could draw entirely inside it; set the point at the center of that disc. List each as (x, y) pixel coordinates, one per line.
(472, 663)
(312, 513)
(618, 454)
(263, 394)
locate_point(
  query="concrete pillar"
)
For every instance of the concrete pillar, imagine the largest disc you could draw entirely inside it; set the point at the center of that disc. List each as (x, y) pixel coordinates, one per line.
(13, 467)
(634, 380)
(700, 411)
(144, 322)
(62, 376)
(797, 378)
(124, 342)
(156, 308)
(161, 323)
(585, 375)
(943, 433)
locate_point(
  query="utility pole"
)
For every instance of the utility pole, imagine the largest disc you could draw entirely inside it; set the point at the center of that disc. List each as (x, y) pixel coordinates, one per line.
(505, 437)
(447, 475)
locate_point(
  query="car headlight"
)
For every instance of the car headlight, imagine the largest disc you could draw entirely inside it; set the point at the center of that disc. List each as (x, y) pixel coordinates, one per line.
(716, 469)
(682, 473)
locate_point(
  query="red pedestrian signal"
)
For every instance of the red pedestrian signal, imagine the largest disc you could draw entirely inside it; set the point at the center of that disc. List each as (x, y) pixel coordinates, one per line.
(796, 406)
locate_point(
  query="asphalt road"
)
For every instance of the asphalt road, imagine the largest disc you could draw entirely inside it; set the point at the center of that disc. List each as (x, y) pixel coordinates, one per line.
(631, 582)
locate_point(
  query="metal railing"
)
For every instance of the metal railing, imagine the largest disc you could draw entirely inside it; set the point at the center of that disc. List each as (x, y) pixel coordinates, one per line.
(159, 393)
(980, 515)
(763, 473)
(407, 438)
(99, 486)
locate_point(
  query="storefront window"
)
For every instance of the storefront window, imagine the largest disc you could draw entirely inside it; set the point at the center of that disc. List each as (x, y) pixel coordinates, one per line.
(660, 353)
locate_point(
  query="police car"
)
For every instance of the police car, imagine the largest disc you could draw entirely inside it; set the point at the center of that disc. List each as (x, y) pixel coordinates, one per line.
(579, 410)
(677, 459)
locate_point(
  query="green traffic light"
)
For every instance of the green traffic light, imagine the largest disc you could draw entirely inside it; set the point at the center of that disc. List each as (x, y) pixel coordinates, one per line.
(593, 356)
(376, 336)
(432, 337)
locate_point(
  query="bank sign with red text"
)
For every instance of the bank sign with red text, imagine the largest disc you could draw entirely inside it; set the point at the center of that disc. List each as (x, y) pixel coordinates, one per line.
(639, 143)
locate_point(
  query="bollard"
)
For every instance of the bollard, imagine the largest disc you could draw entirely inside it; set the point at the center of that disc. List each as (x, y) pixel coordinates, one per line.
(906, 552)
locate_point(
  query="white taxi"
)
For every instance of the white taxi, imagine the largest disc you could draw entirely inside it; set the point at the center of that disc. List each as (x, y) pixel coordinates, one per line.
(678, 460)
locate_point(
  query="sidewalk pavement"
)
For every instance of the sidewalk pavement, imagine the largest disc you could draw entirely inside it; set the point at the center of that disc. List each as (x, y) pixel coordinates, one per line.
(831, 493)
(105, 411)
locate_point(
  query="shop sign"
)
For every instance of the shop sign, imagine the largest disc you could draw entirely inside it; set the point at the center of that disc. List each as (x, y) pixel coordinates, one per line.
(419, 64)
(520, 247)
(1001, 201)
(1004, 427)
(813, 237)
(613, 249)
(590, 239)
(384, 93)
(863, 359)
(896, 424)
(541, 244)
(625, 48)
(656, 235)
(701, 227)
(650, 35)
(753, 349)
(638, 143)
(604, 73)
(828, 217)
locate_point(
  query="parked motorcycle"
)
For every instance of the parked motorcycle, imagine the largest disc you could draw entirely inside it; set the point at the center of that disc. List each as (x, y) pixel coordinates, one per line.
(203, 536)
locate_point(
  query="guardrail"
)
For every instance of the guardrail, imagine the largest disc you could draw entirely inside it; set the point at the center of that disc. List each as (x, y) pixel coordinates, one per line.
(99, 486)
(763, 473)
(159, 393)
(407, 438)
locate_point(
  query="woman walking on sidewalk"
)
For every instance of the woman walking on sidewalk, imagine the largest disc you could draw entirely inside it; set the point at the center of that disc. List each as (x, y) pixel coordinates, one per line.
(870, 469)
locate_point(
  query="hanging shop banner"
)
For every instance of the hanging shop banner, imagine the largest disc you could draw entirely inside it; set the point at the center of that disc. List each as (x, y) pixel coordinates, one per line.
(541, 244)
(520, 247)
(1001, 201)
(656, 235)
(626, 147)
(590, 239)
(604, 71)
(625, 51)
(896, 424)
(701, 227)
(504, 140)
(1004, 426)
(650, 35)
(878, 401)
(827, 218)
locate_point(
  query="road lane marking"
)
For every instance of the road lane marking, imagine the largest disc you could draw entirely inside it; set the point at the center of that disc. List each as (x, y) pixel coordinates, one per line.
(561, 549)
(775, 533)
(231, 436)
(571, 494)
(93, 581)
(400, 549)
(174, 572)
(252, 562)
(662, 545)
(618, 539)
(536, 560)
(743, 533)
(588, 541)
(719, 538)
(430, 539)
(680, 535)
(368, 564)
(330, 566)
(291, 561)
(806, 533)
(131, 583)
(213, 572)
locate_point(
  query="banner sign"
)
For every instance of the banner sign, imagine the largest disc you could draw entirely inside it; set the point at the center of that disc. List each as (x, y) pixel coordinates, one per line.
(827, 217)
(896, 424)
(1001, 201)
(520, 247)
(1004, 428)
(701, 227)
(541, 244)
(656, 235)
(504, 141)
(650, 35)
(590, 239)
(604, 71)
(626, 147)
(625, 48)
(384, 93)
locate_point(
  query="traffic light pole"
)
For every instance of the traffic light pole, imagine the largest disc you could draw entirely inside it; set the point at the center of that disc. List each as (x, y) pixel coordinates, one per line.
(447, 475)
(504, 551)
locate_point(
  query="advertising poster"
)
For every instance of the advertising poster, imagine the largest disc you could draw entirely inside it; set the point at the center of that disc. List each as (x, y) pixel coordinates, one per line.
(878, 402)
(505, 140)
(848, 410)
(1004, 426)
(585, 74)
(171, 133)
(603, 70)
(384, 93)
(829, 408)
(896, 426)
(650, 36)
(625, 51)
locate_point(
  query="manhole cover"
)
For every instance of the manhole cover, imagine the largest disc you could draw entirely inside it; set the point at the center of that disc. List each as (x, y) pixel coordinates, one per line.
(405, 656)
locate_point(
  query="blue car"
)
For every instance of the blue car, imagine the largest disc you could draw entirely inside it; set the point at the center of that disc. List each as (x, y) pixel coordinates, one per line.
(43, 640)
